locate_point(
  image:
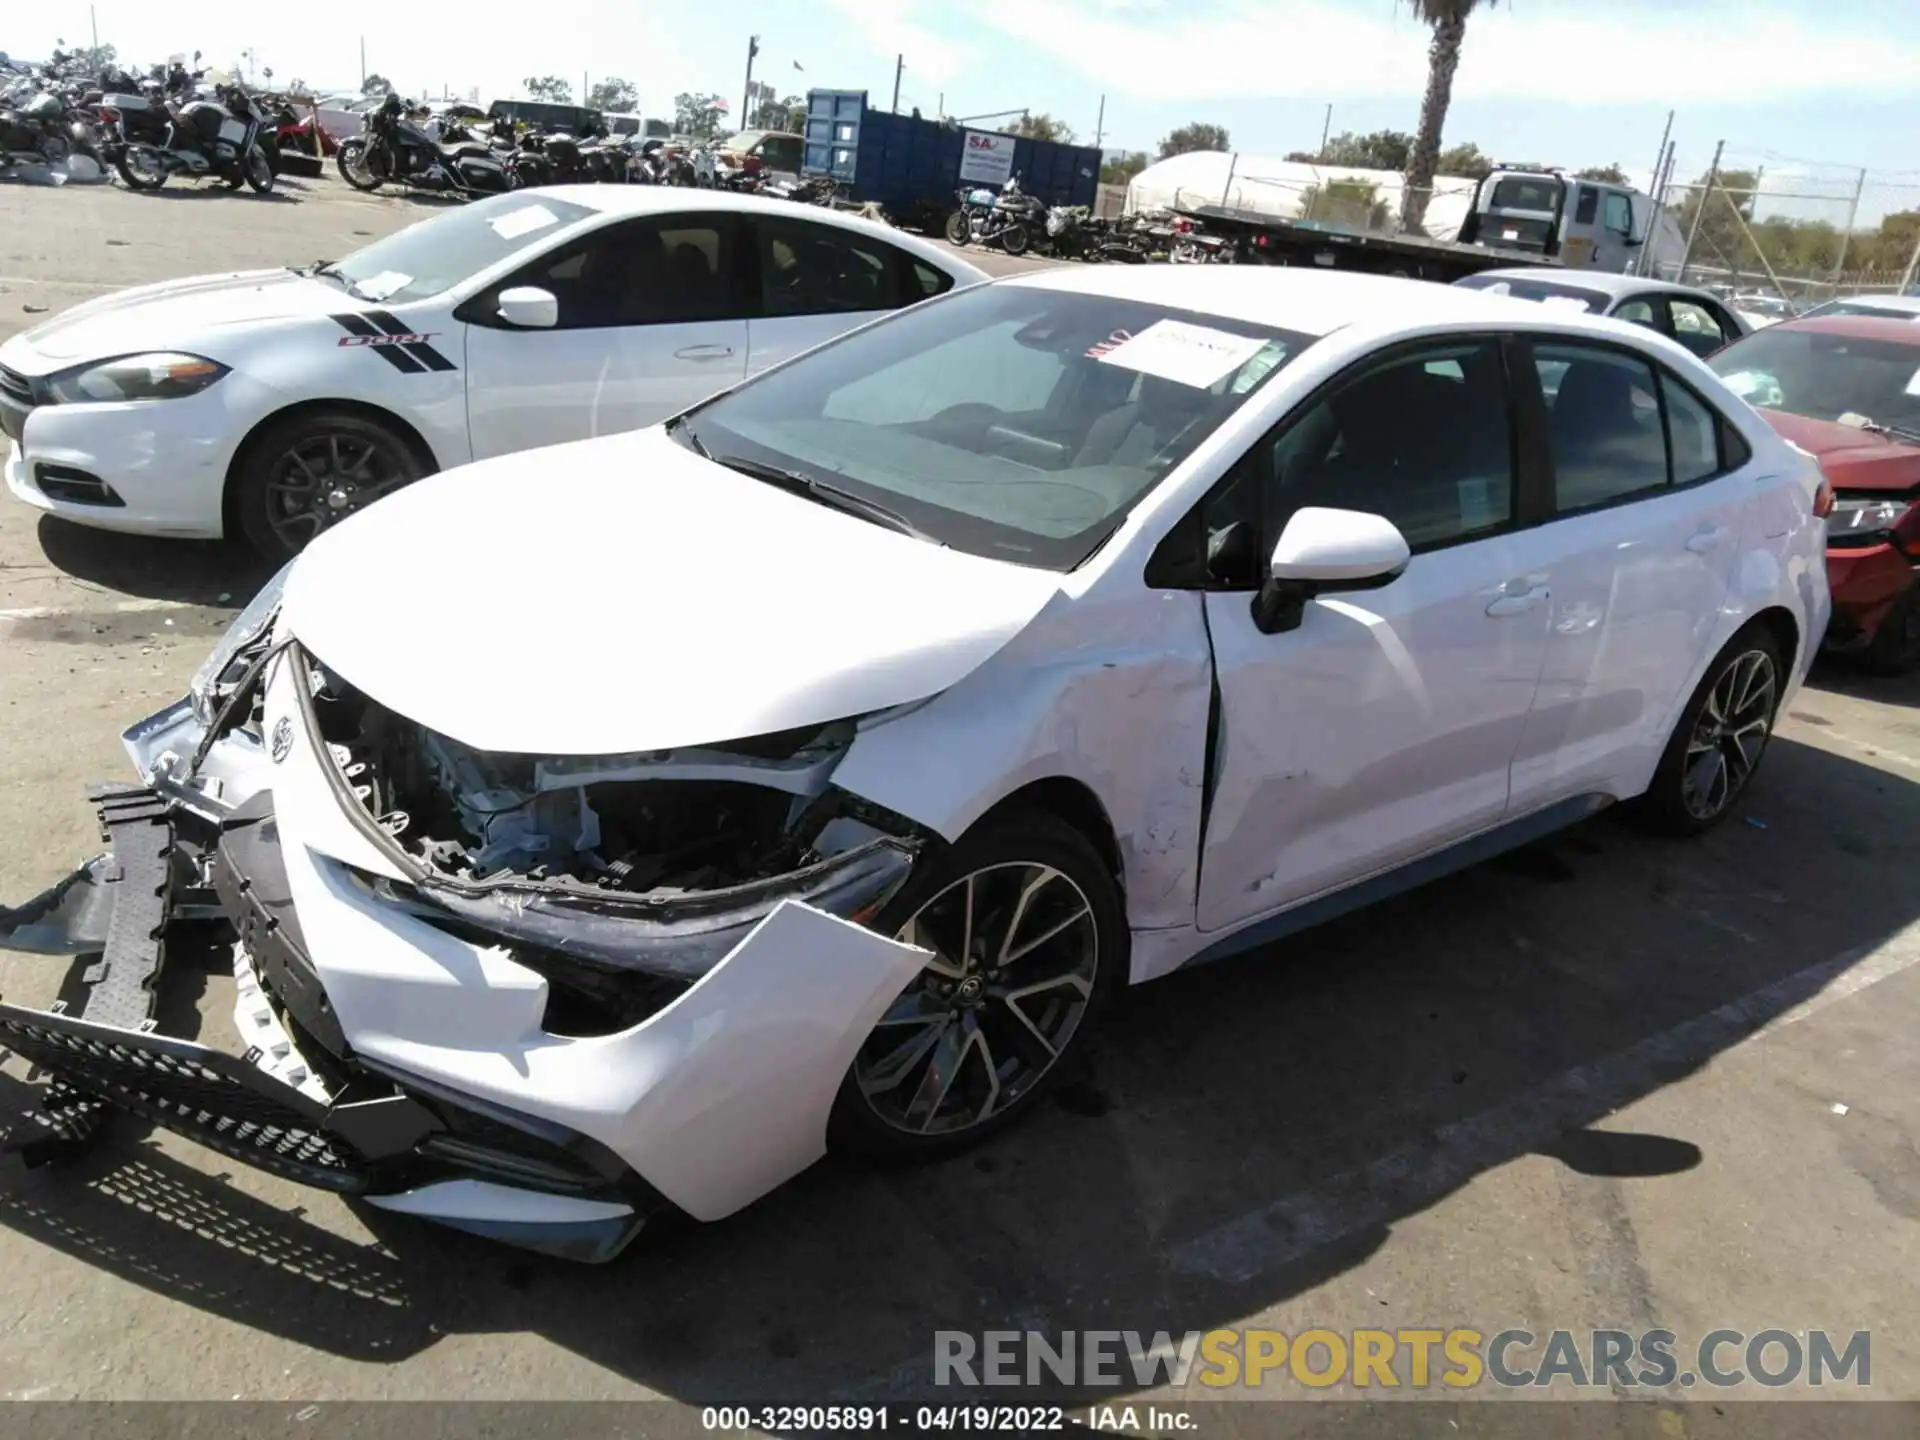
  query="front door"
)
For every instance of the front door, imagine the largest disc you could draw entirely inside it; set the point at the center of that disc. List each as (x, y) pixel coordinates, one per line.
(651, 321)
(1639, 561)
(1383, 727)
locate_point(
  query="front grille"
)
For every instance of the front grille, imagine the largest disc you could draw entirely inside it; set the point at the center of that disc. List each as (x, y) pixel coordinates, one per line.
(226, 1104)
(16, 385)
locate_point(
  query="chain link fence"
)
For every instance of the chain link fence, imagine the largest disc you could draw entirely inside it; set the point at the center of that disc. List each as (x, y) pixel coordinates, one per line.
(1780, 234)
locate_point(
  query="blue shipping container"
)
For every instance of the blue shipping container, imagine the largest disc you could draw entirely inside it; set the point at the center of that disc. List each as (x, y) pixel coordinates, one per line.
(911, 166)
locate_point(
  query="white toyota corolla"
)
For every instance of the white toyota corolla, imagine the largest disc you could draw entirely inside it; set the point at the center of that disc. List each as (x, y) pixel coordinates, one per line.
(272, 403)
(822, 762)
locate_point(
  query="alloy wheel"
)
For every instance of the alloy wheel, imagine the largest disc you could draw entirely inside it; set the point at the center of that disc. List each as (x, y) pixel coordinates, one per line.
(1015, 950)
(1729, 734)
(324, 477)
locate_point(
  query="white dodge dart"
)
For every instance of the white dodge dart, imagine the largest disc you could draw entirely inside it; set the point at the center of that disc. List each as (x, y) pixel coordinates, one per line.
(270, 404)
(824, 761)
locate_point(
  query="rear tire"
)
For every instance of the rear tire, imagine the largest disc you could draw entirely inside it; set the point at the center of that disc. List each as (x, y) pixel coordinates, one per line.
(1895, 647)
(1720, 739)
(1049, 933)
(258, 170)
(1014, 239)
(959, 228)
(139, 179)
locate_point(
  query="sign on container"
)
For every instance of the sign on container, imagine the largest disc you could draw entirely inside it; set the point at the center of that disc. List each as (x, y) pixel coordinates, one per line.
(986, 158)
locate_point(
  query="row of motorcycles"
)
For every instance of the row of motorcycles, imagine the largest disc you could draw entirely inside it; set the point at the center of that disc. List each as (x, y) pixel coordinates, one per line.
(1018, 223)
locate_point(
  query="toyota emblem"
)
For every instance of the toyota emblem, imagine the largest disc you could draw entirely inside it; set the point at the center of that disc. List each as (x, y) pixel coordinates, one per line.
(282, 738)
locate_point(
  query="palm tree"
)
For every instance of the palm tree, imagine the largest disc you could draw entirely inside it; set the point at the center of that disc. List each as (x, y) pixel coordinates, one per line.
(1448, 19)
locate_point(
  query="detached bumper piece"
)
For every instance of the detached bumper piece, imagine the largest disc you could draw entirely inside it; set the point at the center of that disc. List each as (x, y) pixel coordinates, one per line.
(405, 1144)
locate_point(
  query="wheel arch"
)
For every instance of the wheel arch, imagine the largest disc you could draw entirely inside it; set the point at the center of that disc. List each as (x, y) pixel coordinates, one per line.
(1781, 624)
(243, 452)
(1074, 802)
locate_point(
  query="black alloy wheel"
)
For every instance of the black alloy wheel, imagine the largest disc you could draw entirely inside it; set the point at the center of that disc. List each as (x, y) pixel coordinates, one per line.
(306, 476)
(1715, 749)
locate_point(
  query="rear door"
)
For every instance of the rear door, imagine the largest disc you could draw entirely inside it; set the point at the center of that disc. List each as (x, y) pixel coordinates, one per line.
(810, 282)
(651, 320)
(1648, 500)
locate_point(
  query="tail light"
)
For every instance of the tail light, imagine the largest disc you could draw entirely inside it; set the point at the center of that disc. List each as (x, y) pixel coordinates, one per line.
(108, 113)
(1823, 500)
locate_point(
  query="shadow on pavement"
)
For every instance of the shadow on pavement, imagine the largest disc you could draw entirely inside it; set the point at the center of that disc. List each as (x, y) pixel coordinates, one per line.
(1242, 1134)
(193, 572)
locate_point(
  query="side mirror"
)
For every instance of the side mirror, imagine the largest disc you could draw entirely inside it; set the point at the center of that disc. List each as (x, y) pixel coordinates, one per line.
(1324, 551)
(527, 307)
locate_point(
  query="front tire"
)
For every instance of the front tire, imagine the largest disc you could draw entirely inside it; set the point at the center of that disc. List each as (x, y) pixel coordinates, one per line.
(311, 471)
(1029, 939)
(140, 167)
(352, 162)
(1720, 739)
(258, 170)
(959, 228)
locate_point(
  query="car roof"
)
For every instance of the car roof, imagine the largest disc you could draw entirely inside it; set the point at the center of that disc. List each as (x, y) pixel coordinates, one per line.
(1858, 327)
(1308, 302)
(1909, 303)
(633, 200)
(1604, 282)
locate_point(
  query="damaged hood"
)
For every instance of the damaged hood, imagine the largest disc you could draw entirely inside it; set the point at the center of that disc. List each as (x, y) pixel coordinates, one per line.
(623, 594)
(174, 315)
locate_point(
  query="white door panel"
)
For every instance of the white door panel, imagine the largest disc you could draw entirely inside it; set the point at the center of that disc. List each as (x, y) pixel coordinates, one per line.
(780, 338)
(541, 387)
(1379, 730)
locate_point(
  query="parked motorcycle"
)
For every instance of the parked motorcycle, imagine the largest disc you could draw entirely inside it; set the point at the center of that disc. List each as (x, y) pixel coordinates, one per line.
(38, 130)
(1072, 233)
(1010, 219)
(396, 151)
(217, 138)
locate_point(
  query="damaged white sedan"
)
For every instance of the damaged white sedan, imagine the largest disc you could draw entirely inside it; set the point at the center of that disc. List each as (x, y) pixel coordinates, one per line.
(613, 827)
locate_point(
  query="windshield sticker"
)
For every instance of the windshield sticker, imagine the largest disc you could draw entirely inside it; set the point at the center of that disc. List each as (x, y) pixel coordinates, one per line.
(1913, 385)
(1194, 355)
(1563, 302)
(379, 287)
(1742, 382)
(524, 221)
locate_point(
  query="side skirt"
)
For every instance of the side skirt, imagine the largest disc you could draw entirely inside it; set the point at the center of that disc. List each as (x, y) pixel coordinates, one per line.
(1460, 856)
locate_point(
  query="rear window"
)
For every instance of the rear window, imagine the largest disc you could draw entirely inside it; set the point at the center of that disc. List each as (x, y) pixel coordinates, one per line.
(1516, 194)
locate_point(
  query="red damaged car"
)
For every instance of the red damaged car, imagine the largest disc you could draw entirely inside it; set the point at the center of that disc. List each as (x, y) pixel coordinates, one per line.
(1847, 390)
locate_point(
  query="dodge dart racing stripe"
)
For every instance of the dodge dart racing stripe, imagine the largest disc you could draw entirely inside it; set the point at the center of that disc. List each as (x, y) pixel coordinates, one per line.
(407, 351)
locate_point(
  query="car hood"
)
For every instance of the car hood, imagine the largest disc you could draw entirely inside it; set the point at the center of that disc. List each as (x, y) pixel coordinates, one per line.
(1850, 458)
(175, 315)
(623, 594)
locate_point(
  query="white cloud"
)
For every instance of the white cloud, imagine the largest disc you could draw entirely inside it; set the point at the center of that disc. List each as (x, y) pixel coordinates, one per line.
(1318, 51)
(889, 27)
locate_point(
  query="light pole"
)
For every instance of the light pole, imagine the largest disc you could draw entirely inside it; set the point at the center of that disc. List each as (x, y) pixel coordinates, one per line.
(746, 97)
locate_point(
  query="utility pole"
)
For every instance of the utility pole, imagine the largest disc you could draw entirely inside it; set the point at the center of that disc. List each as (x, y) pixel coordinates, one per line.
(1660, 155)
(1913, 262)
(746, 98)
(899, 66)
(1100, 125)
(583, 87)
(1700, 209)
(1853, 211)
(1326, 129)
(94, 20)
(363, 63)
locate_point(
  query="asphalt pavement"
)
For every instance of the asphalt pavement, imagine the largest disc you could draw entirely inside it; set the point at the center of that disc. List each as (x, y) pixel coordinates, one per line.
(1609, 1082)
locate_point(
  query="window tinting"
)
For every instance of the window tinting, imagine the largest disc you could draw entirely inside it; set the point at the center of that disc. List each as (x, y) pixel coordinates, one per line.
(808, 269)
(1587, 207)
(928, 282)
(1637, 311)
(1696, 327)
(1604, 424)
(1423, 439)
(641, 273)
(1694, 431)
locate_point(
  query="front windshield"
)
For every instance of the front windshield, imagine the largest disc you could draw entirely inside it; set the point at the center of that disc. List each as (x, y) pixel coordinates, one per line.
(435, 255)
(1006, 420)
(1594, 302)
(1826, 376)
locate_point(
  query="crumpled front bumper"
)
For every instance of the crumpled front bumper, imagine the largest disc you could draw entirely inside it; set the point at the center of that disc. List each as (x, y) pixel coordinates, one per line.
(394, 1059)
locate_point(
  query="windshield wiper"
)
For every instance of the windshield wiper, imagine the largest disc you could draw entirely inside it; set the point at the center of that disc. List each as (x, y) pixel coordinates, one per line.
(1856, 421)
(679, 425)
(796, 483)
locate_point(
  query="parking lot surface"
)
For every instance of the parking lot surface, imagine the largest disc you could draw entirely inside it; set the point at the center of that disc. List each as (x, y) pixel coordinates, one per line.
(1609, 1082)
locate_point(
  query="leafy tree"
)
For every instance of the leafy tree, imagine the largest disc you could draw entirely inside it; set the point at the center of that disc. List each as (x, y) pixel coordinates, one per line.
(772, 114)
(1382, 150)
(548, 87)
(93, 58)
(1719, 240)
(1198, 135)
(1465, 160)
(615, 94)
(698, 114)
(1610, 174)
(1448, 21)
(1121, 171)
(376, 85)
(1043, 127)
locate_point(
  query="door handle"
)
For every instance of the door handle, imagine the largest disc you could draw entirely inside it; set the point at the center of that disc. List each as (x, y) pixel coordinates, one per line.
(1708, 539)
(1521, 603)
(703, 352)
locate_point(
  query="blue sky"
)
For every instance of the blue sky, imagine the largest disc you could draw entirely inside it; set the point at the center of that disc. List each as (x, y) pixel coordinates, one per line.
(1809, 91)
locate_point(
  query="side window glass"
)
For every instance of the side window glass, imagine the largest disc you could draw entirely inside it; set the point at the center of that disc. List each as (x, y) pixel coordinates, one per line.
(1636, 312)
(1617, 214)
(818, 270)
(1604, 424)
(928, 282)
(1586, 206)
(639, 274)
(1693, 430)
(1695, 327)
(1423, 439)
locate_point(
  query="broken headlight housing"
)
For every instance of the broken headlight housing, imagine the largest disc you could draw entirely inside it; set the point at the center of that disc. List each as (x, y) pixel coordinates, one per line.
(225, 664)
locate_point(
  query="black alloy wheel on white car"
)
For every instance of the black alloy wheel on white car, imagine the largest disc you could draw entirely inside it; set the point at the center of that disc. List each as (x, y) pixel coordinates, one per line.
(1721, 738)
(311, 472)
(1027, 931)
